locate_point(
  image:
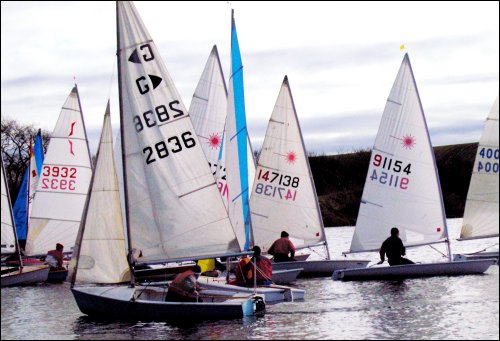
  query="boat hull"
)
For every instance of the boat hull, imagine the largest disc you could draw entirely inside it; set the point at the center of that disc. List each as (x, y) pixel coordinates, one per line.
(126, 303)
(57, 276)
(478, 255)
(29, 275)
(320, 268)
(399, 272)
(285, 276)
(271, 294)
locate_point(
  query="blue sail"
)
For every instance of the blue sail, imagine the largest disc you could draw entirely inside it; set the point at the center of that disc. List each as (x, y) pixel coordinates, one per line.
(21, 205)
(237, 98)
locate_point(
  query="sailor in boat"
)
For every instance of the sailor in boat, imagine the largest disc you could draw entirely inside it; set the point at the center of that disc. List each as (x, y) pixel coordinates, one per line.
(281, 248)
(55, 257)
(185, 287)
(394, 248)
(264, 268)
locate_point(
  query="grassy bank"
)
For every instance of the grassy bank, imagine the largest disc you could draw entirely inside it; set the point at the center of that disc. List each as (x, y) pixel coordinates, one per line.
(340, 179)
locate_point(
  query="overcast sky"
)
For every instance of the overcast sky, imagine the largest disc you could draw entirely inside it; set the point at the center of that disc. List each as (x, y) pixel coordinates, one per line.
(341, 59)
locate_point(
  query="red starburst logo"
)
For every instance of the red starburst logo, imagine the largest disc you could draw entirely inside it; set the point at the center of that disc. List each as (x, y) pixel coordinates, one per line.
(291, 157)
(408, 142)
(214, 141)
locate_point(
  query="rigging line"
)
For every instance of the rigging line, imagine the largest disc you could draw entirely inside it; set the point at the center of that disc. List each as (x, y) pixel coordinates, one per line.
(432, 247)
(486, 248)
(316, 252)
(111, 78)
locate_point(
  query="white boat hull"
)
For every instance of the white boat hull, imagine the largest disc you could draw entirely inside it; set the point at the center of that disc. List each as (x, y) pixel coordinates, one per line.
(320, 268)
(478, 255)
(271, 294)
(148, 303)
(285, 276)
(28, 275)
(399, 272)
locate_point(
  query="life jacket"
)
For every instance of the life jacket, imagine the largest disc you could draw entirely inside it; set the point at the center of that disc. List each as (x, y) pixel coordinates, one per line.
(240, 276)
(265, 269)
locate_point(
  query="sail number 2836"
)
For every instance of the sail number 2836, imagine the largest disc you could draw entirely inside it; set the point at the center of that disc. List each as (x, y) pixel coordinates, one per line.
(173, 144)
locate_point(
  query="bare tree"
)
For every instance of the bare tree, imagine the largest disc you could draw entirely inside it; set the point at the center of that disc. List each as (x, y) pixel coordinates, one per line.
(15, 151)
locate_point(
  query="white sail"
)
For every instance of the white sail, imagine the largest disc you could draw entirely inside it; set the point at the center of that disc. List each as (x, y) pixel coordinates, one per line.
(167, 179)
(402, 186)
(481, 207)
(102, 231)
(283, 195)
(237, 150)
(62, 189)
(8, 230)
(208, 111)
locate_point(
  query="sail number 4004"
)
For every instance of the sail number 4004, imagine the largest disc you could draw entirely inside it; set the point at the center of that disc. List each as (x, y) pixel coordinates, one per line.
(488, 166)
(163, 149)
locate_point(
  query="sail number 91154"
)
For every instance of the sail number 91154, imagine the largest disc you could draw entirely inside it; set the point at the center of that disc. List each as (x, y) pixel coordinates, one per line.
(392, 176)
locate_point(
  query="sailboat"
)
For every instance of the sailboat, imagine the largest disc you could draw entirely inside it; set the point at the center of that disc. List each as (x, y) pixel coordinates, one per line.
(402, 189)
(284, 196)
(208, 111)
(167, 184)
(63, 185)
(22, 206)
(481, 207)
(237, 150)
(18, 275)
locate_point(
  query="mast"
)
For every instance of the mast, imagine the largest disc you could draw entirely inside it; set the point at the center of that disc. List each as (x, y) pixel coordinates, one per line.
(130, 258)
(28, 189)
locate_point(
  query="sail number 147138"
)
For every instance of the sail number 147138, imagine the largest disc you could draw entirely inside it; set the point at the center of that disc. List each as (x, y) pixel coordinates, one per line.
(390, 172)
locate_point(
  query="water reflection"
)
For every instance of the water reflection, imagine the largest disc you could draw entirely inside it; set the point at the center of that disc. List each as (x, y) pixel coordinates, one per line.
(463, 307)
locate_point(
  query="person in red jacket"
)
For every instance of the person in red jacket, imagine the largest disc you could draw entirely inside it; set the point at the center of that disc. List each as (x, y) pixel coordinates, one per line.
(264, 268)
(185, 288)
(55, 257)
(281, 248)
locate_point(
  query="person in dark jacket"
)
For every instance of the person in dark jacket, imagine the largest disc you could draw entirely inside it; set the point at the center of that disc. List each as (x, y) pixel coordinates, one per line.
(394, 249)
(185, 287)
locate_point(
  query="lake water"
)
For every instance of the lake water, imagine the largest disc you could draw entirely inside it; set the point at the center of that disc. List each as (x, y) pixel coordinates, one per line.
(463, 307)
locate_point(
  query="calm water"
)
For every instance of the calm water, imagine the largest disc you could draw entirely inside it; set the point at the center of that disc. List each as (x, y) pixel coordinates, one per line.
(464, 307)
